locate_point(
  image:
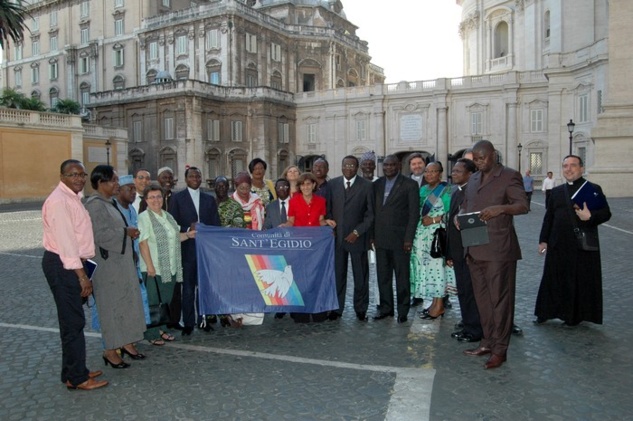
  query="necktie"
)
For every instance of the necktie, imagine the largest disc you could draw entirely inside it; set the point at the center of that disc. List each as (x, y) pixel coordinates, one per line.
(348, 184)
(284, 217)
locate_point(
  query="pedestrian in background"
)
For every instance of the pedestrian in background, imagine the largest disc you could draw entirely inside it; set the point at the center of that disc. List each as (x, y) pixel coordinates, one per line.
(528, 185)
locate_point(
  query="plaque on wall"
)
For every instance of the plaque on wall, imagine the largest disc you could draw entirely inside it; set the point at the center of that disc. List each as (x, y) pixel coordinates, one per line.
(410, 128)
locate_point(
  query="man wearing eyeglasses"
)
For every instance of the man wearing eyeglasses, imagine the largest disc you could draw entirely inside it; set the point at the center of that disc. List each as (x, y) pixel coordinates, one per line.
(142, 179)
(68, 242)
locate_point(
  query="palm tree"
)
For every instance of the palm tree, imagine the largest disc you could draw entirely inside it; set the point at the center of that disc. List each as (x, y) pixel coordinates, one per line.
(12, 16)
(67, 106)
(33, 104)
(11, 98)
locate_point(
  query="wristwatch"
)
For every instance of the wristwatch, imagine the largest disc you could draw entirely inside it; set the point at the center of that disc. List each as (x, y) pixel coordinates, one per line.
(356, 233)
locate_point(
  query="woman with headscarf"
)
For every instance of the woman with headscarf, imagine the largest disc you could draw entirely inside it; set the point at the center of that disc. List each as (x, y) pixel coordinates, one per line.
(115, 282)
(254, 219)
(262, 187)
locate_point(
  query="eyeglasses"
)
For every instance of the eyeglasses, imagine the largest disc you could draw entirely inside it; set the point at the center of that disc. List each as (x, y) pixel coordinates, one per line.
(283, 187)
(431, 171)
(154, 197)
(349, 166)
(142, 177)
(76, 175)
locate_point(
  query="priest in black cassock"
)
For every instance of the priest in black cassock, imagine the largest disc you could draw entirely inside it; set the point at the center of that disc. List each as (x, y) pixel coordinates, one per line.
(571, 287)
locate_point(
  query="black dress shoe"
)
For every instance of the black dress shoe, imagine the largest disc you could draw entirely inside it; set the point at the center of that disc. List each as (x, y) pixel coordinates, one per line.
(383, 316)
(447, 302)
(516, 330)
(402, 319)
(467, 337)
(362, 316)
(187, 330)
(539, 320)
(457, 334)
(416, 302)
(279, 316)
(333, 315)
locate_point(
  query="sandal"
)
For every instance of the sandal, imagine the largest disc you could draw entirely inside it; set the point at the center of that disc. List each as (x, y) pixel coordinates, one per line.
(156, 342)
(167, 336)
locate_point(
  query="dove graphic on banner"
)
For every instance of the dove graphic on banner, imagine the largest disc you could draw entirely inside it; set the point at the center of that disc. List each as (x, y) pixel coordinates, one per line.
(279, 282)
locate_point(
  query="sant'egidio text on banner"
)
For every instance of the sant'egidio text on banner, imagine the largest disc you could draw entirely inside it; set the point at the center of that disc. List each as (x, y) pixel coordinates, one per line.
(278, 270)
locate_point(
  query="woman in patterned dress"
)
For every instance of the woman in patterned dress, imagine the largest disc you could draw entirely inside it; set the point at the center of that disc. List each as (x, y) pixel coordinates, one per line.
(430, 277)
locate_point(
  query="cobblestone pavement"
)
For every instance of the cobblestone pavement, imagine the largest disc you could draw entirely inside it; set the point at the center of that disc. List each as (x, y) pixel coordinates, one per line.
(344, 370)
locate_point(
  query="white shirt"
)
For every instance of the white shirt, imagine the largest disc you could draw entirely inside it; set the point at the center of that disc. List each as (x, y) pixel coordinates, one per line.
(351, 181)
(287, 204)
(548, 184)
(195, 196)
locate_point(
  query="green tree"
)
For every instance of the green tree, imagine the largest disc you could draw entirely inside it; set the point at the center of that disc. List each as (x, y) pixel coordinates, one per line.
(11, 98)
(33, 104)
(12, 16)
(67, 106)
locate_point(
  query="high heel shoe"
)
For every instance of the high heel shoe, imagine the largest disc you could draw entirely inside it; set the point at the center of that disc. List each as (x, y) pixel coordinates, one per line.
(122, 364)
(137, 356)
(427, 316)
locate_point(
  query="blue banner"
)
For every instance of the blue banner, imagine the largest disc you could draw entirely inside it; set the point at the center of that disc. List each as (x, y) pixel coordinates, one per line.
(278, 270)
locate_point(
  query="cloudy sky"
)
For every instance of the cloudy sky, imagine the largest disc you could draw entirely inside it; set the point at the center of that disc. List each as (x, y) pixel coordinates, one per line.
(410, 39)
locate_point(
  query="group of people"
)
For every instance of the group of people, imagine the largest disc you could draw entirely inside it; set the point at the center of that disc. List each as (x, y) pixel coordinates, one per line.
(142, 238)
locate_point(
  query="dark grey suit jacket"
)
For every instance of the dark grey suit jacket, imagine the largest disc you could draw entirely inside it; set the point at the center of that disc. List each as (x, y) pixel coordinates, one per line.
(396, 220)
(351, 211)
(273, 214)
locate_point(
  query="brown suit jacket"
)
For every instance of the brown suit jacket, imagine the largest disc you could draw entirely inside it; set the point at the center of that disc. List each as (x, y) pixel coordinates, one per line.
(504, 186)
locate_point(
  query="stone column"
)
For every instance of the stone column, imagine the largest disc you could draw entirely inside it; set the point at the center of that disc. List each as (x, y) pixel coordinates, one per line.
(442, 137)
(613, 133)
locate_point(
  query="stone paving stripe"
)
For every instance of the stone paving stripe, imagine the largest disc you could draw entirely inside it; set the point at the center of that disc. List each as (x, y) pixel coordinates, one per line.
(45, 329)
(411, 397)
(20, 255)
(617, 229)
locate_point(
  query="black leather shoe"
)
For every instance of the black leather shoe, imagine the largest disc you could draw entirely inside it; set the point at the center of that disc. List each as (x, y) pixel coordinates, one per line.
(516, 330)
(457, 334)
(187, 330)
(362, 316)
(539, 321)
(279, 316)
(467, 337)
(402, 319)
(383, 316)
(333, 315)
(447, 302)
(416, 302)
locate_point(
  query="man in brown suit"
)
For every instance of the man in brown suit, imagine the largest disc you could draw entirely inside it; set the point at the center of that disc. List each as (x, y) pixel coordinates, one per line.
(497, 192)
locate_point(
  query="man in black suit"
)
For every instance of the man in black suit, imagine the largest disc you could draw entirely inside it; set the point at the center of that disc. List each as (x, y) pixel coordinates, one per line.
(188, 207)
(471, 330)
(274, 210)
(350, 203)
(397, 209)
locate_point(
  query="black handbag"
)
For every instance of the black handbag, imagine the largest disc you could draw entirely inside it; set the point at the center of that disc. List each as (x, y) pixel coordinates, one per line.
(159, 314)
(438, 245)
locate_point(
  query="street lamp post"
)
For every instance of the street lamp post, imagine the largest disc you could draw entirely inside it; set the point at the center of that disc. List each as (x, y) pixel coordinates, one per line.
(108, 144)
(519, 148)
(570, 128)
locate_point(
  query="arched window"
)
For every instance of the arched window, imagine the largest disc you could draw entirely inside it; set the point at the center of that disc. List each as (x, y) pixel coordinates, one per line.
(501, 40)
(214, 72)
(151, 76)
(168, 158)
(352, 78)
(36, 94)
(213, 157)
(275, 80)
(251, 76)
(237, 161)
(53, 95)
(84, 88)
(118, 82)
(182, 72)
